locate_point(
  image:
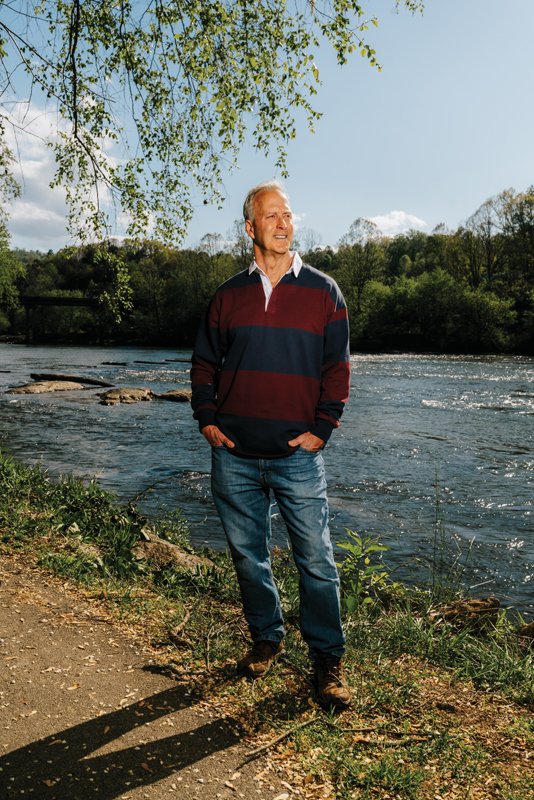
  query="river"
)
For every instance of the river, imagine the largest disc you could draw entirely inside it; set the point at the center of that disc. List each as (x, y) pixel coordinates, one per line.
(435, 455)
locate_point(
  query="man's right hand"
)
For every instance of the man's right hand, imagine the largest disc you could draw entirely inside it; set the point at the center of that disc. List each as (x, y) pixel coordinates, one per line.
(216, 437)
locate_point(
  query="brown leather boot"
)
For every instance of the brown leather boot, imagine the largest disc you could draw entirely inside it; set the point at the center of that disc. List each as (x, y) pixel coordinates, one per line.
(330, 684)
(259, 659)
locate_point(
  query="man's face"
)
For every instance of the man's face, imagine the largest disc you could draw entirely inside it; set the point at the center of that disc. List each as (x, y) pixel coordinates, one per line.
(272, 227)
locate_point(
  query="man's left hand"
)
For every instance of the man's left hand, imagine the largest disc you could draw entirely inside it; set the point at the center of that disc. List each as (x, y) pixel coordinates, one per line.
(308, 441)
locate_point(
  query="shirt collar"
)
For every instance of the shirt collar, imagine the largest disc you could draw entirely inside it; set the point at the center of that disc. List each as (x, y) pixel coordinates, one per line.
(295, 267)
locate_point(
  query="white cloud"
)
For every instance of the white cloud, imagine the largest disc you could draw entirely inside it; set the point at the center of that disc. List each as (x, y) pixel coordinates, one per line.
(398, 222)
(37, 218)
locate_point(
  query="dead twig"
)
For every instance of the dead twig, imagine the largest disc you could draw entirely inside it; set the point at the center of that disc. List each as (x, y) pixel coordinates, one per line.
(259, 750)
(390, 742)
(175, 636)
(215, 630)
(404, 737)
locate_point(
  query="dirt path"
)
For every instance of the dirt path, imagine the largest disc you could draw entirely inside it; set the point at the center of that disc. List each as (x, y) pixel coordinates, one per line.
(85, 713)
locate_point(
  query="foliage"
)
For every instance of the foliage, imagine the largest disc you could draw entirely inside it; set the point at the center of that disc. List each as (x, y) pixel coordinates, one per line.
(362, 581)
(360, 259)
(11, 275)
(467, 291)
(78, 526)
(9, 188)
(116, 298)
(435, 709)
(156, 97)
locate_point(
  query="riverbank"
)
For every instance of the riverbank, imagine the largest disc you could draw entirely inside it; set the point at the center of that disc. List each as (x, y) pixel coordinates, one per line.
(440, 710)
(425, 444)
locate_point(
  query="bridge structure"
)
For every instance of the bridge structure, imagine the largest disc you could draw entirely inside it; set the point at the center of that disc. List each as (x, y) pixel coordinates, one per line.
(31, 302)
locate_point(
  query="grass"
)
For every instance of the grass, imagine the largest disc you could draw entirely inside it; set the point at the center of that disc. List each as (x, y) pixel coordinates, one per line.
(439, 711)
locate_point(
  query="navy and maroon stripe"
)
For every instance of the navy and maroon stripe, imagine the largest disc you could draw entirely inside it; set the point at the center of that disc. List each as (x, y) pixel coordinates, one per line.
(266, 375)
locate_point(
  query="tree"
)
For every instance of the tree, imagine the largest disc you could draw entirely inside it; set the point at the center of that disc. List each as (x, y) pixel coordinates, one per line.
(518, 258)
(9, 187)
(322, 258)
(211, 243)
(307, 240)
(436, 304)
(487, 225)
(240, 244)
(519, 232)
(486, 322)
(360, 258)
(405, 253)
(362, 231)
(156, 96)
(11, 274)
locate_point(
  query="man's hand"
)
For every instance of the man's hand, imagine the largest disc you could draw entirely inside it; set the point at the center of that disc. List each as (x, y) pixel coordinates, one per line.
(308, 441)
(216, 437)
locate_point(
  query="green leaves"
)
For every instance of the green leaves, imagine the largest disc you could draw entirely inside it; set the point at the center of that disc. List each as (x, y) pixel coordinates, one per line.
(116, 299)
(156, 97)
(361, 579)
(11, 274)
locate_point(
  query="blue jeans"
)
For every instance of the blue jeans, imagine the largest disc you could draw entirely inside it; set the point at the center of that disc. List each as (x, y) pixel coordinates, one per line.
(241, 490)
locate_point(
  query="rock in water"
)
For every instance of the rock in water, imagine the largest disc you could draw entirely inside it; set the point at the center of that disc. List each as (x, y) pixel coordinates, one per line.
(40, 387)
(176, 395)
(46, 376)
(125, 394)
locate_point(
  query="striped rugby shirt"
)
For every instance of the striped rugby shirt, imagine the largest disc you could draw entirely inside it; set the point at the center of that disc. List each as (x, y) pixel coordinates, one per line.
(266, 374)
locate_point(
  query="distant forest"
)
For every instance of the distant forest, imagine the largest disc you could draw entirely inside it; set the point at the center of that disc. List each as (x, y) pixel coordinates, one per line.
(465, 291)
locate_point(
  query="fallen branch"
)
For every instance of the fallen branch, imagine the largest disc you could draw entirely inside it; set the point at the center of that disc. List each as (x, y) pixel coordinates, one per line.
(259, 750)
(175, 636)
(374, 742)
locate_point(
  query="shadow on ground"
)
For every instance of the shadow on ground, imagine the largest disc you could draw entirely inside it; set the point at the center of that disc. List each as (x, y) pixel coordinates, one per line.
(64, 766)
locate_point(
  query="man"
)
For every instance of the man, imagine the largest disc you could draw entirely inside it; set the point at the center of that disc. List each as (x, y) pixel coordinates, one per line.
(270, 377)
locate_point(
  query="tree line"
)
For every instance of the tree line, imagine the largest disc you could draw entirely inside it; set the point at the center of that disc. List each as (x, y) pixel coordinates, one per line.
(468, 291)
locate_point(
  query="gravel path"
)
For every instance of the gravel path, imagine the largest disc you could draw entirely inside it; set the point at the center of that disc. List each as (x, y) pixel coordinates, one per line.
(84, 713)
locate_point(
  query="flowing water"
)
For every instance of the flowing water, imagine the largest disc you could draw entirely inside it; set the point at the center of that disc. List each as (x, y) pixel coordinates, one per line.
(435, 455)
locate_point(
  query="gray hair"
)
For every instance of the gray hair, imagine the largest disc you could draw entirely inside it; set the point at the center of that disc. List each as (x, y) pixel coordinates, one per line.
(266, 186)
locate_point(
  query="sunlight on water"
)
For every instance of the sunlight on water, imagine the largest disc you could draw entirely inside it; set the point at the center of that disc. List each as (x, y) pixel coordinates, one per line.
(425, 441)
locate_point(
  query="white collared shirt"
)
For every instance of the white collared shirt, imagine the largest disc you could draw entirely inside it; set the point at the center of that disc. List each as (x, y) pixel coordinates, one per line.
(295, 267)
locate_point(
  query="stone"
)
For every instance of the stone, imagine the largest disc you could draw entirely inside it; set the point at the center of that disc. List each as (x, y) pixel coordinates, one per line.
(161, 553)
(527, 631)
(89, 551)
(46, 376)
(176, 395)
(125, 394)
(40, 387)
(474, 612)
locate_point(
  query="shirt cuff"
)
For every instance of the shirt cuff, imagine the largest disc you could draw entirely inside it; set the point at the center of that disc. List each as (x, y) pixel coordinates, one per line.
(322, 429)
(206, 416)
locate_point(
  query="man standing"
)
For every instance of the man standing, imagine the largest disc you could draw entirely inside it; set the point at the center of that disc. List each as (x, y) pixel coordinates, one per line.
(270, 378)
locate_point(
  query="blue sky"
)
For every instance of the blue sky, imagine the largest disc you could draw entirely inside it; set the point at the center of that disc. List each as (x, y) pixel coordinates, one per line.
(448, 123)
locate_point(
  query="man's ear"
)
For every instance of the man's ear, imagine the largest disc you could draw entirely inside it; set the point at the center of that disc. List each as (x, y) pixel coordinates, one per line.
(249, 228)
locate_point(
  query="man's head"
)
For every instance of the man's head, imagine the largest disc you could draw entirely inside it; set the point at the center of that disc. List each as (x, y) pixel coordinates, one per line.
(268, 219)
(266, 186)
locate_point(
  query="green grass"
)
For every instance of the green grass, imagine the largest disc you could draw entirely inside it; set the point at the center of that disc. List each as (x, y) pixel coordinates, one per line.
(437, 710)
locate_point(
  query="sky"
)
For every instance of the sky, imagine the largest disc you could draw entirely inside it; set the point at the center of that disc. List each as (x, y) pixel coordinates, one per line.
(446, 124)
